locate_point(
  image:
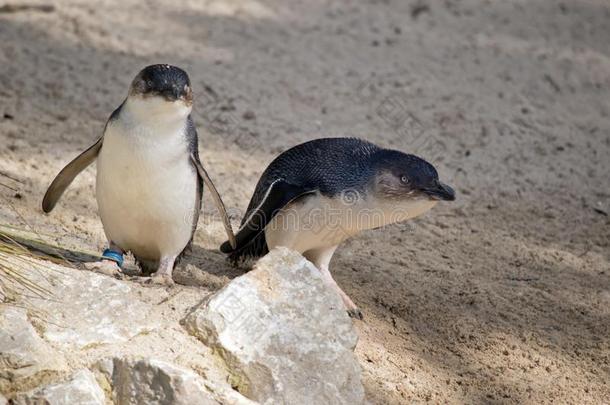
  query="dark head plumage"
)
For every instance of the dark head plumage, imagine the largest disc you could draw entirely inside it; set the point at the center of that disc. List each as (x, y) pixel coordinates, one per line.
(401, 175)
(167, 81)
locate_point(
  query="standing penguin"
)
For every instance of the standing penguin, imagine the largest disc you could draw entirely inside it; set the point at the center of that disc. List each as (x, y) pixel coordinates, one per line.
(315, 195)
(149, 177)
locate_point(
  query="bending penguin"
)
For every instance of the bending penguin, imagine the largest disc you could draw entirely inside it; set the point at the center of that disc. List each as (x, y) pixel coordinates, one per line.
(149, 181)
(317, 194)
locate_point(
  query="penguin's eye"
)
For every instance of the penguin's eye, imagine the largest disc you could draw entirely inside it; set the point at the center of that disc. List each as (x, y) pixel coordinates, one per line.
(404, 179)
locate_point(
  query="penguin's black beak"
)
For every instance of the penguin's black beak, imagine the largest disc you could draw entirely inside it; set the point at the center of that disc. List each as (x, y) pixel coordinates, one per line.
(172, 93)
(177, 92)
(440, 191)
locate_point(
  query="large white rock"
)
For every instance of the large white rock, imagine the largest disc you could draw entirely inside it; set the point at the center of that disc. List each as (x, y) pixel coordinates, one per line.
(81, 389)
(285, 336)
(153, 382)
(25, 358)
(94, 309)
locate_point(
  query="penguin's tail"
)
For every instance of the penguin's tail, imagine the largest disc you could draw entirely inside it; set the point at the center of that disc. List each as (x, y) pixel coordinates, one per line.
(226, 248)
(253, 249)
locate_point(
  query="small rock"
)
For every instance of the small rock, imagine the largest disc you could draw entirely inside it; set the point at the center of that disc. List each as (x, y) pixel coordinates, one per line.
(81, 389)
(418, 9)
(249, 115)
(284, 335)
(150, 381)
(24, 355)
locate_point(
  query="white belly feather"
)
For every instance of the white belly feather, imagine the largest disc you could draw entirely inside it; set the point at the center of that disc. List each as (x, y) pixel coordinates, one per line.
(146, 189)
(321, 222)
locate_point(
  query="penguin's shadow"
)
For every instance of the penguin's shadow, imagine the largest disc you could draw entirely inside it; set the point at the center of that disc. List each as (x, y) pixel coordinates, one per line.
(207, 268)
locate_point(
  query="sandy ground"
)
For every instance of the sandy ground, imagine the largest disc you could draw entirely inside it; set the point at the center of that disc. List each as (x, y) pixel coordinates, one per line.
(502, 296)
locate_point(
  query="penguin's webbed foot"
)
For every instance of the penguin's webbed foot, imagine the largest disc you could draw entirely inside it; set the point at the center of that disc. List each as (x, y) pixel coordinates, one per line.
(163, 275)
(107, 267)
(161, 279)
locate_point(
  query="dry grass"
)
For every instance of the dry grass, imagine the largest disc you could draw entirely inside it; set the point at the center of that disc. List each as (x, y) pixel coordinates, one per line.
(16, 262)
(17, 259)
(24, 251)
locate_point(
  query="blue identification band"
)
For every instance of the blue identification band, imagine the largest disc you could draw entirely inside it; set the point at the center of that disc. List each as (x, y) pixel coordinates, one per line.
(114, 256)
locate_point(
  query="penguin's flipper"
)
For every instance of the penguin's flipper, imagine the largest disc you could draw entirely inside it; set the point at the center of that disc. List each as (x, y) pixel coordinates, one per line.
(279, 194)
(217, 199)
(67, 175)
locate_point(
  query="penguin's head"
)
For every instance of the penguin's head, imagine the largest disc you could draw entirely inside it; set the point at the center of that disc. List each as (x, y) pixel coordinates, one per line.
(399, 176)
(163, 82)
